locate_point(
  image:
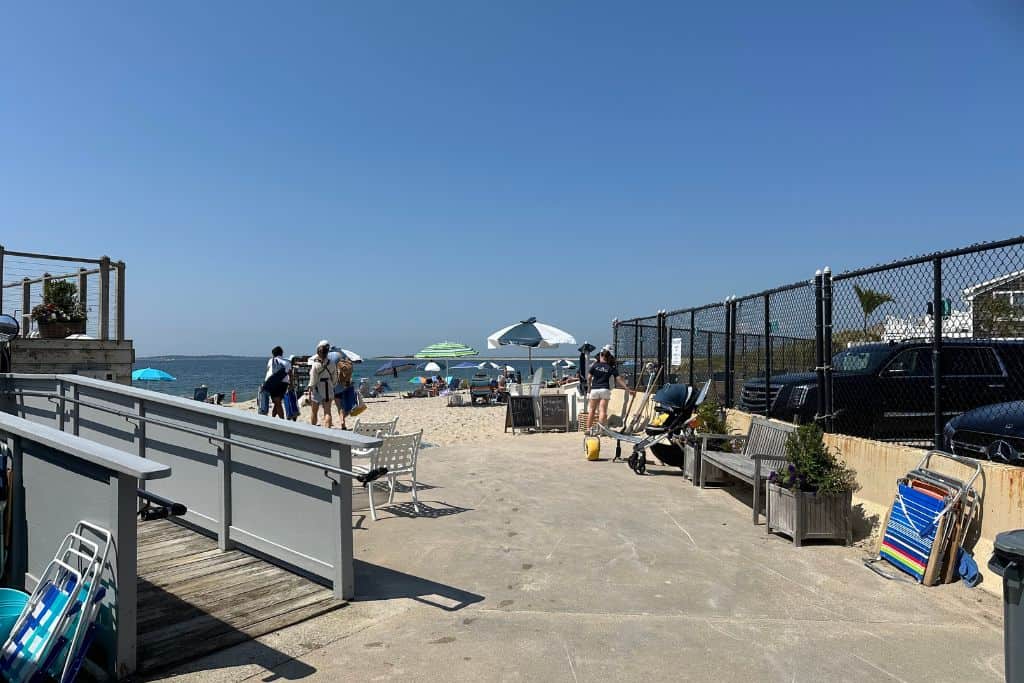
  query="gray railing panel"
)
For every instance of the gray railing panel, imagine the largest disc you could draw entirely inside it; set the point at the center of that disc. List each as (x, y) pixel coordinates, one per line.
(103, 426)
(246, 479)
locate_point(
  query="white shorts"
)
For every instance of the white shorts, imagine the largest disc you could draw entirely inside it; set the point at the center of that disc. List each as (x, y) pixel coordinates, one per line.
(600, 394)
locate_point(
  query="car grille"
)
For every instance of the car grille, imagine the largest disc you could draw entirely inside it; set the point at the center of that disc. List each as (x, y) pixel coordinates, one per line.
(976, 444)
(752, 397)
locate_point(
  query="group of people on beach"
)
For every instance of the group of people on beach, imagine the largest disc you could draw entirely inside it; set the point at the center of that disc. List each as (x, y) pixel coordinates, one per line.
(330, 386)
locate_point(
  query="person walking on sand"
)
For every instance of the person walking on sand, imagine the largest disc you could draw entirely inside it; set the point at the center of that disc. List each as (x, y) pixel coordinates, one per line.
(321, 384)
(276, 381)
(600, 375)
(291, 398)
(344, 392)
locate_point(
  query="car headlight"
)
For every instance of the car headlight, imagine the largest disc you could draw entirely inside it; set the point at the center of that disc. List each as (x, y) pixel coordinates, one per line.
(798, 396)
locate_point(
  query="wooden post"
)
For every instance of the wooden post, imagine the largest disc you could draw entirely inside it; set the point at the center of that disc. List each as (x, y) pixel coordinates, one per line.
(120, 301)
(105, 298)
(83, 286)
(26, 307)
(1, 278)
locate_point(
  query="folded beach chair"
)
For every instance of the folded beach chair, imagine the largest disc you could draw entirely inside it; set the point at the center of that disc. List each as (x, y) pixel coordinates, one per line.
(57, 625)
(927, 522)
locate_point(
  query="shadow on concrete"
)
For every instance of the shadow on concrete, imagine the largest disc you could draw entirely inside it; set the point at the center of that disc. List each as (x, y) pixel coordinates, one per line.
(431, 510)
(374, 582)
(864, 524)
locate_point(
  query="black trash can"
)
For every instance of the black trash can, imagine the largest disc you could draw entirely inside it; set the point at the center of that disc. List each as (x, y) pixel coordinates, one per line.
(1008, 562)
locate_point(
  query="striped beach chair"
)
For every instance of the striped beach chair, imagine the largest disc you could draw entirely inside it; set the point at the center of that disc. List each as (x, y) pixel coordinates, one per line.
(909, 537)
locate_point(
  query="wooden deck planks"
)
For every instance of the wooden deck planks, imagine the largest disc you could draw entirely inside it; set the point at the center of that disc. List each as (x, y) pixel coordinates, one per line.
(195, 599)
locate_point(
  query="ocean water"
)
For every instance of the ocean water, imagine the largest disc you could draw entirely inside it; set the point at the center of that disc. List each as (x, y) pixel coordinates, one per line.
(244, 375)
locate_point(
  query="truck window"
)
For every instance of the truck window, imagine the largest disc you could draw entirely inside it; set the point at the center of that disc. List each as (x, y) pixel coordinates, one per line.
(970, 362)
(911, 363)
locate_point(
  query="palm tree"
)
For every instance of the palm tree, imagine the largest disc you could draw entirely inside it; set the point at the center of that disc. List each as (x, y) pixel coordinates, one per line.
(870, 300)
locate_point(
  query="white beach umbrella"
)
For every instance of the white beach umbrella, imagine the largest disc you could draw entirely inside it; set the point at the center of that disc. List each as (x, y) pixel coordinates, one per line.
(532, 335)
(432, 367)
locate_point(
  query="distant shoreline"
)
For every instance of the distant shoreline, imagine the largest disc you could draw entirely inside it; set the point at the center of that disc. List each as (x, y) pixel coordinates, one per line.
(174, 357)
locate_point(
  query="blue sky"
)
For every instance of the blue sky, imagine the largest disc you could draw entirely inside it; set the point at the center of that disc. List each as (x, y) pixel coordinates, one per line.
(391, 174)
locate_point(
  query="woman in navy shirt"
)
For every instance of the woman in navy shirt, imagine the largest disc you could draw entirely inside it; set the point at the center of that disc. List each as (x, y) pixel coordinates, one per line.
(600, 375)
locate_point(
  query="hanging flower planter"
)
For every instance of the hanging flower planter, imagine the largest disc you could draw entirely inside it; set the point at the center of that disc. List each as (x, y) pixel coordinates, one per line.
(61, 314)
(60, 330)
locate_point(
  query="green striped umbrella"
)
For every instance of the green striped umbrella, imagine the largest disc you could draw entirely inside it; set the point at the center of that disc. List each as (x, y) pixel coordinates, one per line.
(445, 351)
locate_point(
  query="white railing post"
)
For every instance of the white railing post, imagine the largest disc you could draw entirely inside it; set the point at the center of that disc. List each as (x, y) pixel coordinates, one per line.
(75, 409)
(224, 471)
(341, 495)
(60, 405)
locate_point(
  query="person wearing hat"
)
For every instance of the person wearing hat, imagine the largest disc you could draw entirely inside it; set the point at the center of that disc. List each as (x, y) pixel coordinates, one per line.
(321, 384)
(600, 375)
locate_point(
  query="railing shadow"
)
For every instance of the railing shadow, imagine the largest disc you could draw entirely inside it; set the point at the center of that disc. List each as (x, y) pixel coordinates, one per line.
(374, 582)
(177, 635)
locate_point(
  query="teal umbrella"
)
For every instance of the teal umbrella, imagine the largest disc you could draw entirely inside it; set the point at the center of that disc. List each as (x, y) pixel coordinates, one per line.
(152, 375)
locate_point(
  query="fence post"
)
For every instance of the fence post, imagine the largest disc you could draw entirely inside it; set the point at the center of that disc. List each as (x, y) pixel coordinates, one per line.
(615, 339)
(826, 326)
(730, 349)
(819, 348)
(937, 347)
(693, 318)
(1, 278)
(105, 298)
(636, 353)
(663, 351)
(120, 301)
(767, 355)
(26, 306)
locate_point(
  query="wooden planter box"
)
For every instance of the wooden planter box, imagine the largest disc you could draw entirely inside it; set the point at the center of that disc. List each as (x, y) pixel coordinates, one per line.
(692, 467)
(802, 516)
(60, 330)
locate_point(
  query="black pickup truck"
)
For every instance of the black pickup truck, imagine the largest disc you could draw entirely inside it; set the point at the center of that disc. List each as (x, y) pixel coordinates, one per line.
(884, 390)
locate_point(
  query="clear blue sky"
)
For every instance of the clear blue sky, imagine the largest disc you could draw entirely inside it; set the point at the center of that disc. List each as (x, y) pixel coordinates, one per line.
(390, 174)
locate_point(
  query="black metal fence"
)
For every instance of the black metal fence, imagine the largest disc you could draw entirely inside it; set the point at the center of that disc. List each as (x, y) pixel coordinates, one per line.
(894, 352)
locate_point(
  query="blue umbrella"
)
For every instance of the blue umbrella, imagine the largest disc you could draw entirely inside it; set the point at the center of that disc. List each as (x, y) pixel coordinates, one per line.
(464, 366)
(393, 367)
(152, 375)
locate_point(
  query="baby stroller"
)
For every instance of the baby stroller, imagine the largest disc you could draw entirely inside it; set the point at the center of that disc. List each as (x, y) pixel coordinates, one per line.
(673, 407)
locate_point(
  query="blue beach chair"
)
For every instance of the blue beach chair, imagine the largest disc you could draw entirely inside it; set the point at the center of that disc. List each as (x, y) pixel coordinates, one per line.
(59, 620)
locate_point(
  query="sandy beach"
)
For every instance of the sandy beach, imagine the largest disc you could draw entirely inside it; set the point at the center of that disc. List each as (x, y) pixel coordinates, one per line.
(441, 425)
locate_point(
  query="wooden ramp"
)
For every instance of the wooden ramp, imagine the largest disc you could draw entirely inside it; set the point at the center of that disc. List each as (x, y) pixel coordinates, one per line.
(195, 599)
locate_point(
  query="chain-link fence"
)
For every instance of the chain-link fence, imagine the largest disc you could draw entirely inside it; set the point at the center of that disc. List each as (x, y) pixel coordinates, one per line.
(928, 350)
(98, 283)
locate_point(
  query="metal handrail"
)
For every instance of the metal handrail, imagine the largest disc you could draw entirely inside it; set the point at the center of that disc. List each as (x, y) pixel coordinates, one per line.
(55, 397)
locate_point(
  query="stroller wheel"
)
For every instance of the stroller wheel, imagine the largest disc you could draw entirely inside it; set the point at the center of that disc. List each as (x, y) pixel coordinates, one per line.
(638, 462)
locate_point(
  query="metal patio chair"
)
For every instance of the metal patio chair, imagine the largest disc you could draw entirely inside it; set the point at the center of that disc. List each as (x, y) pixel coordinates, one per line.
(398, 454)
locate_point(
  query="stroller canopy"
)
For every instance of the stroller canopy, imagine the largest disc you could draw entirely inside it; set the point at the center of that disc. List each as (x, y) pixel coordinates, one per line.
(673, 396)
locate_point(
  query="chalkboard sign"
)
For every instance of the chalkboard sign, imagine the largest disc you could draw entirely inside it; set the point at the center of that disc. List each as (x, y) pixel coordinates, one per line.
(554, 412)
(519, 413)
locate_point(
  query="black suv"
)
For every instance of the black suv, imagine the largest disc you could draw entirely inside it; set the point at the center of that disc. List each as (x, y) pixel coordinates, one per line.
(885, 390)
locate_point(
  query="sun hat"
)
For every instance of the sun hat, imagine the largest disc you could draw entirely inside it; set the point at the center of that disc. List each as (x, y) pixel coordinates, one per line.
(323, 342)
(608, 348)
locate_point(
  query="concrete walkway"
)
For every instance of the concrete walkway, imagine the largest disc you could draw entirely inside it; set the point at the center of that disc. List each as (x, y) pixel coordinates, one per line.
(532, 564)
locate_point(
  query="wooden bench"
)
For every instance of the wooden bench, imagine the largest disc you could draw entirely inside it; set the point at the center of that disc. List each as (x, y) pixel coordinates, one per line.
(764, 450)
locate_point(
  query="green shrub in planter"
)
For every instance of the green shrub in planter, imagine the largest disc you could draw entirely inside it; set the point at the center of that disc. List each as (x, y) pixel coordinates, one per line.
(811, 498)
